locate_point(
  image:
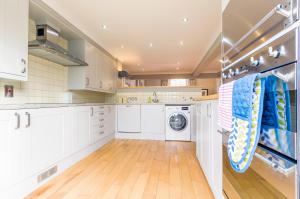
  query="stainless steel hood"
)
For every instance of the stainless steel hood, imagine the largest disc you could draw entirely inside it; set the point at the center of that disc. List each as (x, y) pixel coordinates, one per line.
(46, 47)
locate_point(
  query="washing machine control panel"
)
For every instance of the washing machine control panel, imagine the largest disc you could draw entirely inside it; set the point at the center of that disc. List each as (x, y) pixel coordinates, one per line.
(185, 108)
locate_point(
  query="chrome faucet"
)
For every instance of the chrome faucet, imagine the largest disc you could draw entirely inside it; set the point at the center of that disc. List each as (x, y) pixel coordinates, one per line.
(155, 99)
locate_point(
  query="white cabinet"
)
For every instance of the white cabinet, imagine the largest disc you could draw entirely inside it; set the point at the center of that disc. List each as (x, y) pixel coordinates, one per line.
(216, 153)
(5, 129)
(110, 119)
(209, 145)
(31, 140)
(82, 123)
(69, 131)
(46, 128)
(100, 74)
(97, 123)
(102, 121)
(153, 119)
(14, 148)
(129, 118)
(14, 39)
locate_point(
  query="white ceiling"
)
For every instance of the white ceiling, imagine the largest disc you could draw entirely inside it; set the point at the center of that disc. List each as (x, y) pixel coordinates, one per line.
(134, 24)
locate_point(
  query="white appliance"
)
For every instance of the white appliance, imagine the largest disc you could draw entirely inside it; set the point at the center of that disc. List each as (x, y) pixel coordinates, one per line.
(178, 122)
(129, 118)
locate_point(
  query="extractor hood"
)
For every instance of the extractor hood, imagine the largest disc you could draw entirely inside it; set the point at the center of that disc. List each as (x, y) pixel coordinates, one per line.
(46, 46)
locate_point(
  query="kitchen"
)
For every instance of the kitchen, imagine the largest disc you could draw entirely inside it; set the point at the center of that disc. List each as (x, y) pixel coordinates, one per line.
(99, 100)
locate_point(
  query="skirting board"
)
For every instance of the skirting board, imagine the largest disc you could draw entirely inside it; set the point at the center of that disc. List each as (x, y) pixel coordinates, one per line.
(145, 136)
(141, 136)
(24, 188)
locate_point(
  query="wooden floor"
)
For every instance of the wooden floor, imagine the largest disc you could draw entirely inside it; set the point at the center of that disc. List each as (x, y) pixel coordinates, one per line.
(132, 169)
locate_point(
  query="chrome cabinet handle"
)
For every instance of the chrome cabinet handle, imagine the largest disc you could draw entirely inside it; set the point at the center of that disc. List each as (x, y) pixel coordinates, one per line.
(17, 115)
(28, 119)
(23, 61)
(23, 70)
(92, 111)
(87, 81)
(207, 114)
(101, 132)
(101, 120)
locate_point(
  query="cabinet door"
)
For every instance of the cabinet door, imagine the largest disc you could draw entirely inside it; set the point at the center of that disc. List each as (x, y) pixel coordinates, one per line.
(216, 146)
(46, 137)
(69, 131)
(82, 122)
(203, 129)
(14, 39)
(198, 130)
(6, 122)
(19, 146)
(206, 139)
(101, 63)
(129, 118)
(153, 119)
(91, 54)
(110, 119)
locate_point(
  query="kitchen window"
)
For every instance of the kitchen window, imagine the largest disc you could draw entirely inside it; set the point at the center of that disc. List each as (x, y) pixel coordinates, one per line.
(178, 82)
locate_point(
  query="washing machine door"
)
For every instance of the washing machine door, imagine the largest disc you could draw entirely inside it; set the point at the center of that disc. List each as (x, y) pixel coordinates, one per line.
(178, 121)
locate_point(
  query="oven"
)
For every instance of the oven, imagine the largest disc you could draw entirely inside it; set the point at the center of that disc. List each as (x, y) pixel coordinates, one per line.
(265, 43)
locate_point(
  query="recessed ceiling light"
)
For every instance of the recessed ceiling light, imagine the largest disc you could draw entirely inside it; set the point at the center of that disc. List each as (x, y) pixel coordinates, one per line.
(122, 46)
(138, 64)
(143, 69)
(103, 27)
(151, 45)
(178, 63)
(181, 43)
(185, 20)
(177, 68)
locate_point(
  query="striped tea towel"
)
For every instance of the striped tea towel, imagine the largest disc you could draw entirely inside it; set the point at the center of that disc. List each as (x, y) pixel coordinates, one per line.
(225, 106)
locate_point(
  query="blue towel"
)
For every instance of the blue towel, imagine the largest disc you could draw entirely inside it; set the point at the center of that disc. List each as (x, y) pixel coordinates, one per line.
(260, 109)
(276, 121)
(246, 113)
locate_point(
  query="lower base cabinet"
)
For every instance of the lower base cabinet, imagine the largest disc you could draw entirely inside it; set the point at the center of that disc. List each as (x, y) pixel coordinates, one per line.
(153, 119)
(209, 145)
(46, 129)
(82, 131)
(32, 140)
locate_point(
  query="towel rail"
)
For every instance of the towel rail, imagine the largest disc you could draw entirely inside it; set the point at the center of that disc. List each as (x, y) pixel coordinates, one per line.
(268, 42)
(275, 73)
(277, 10)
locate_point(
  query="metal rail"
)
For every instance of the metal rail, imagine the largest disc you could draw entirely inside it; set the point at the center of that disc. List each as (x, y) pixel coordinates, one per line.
(277, 10)
(268, 42)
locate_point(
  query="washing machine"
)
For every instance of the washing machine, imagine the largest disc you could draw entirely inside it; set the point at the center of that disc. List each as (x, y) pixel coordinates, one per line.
(178, 122)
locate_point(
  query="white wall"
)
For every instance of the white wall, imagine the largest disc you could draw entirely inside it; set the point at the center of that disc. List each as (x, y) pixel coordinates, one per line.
(210, 84)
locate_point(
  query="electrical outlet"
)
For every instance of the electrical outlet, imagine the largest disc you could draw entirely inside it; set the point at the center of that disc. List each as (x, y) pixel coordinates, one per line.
(9, 91)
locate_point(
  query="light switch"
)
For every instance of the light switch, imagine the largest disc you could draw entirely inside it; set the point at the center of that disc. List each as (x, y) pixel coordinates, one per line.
(9, 91)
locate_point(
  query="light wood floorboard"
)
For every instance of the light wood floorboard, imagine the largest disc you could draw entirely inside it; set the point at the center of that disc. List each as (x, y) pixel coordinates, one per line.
(132, 169)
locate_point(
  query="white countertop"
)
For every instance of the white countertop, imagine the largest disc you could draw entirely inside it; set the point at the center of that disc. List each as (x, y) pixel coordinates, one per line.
(160, 103)
(57, 105)
(47, 105)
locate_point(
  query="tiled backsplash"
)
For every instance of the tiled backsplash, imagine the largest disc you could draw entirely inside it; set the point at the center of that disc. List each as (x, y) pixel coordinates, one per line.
(163, 97)
(47, 83)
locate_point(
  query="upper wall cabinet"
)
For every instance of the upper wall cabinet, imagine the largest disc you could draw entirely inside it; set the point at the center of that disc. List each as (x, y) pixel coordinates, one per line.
(100, 74)
(14, 39)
